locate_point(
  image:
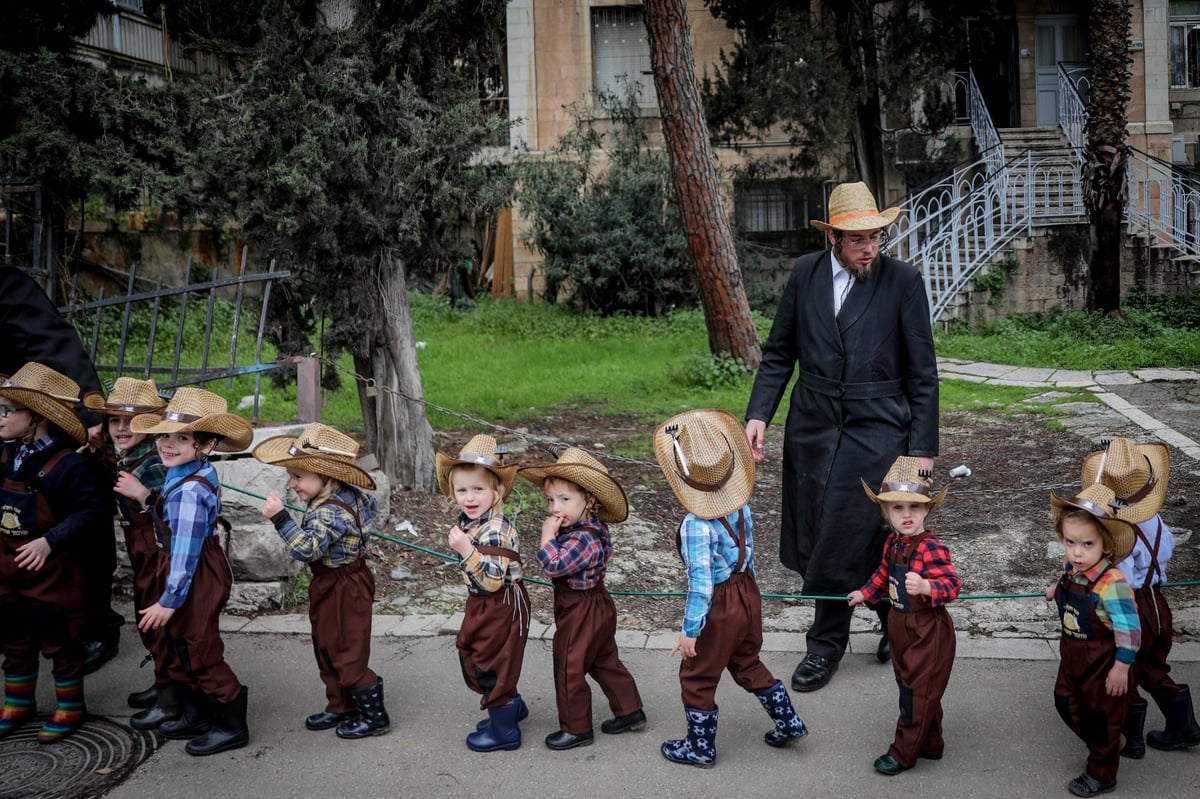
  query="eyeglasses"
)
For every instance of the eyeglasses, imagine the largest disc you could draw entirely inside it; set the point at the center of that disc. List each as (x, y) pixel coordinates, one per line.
(876, 239)
(5, 411)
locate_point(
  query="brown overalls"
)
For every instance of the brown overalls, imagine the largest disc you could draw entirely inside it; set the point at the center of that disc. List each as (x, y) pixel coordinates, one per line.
(1087, 652)
(923, 646)
(491, 640)
(1158, 633)
(732, 636)
(148, 582)
(38, 609)
(340, 601)
(585, 630)
(195, 651)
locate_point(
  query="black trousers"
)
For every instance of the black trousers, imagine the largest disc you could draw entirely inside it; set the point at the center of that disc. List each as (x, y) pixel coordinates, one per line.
(829, 634)
(99, 558)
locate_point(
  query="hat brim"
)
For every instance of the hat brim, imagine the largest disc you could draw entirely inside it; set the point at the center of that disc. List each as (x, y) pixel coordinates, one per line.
(1159, 457)
(614, 506)
(867, 222)
(51, 408)
(275, 451)
(444, 463)
(884, 497)
(736, 491)
(1122, 532)
(236, 433)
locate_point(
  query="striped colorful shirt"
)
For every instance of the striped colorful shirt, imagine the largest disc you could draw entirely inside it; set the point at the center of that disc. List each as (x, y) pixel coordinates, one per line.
(328, 532)
(486, 574)
(1113, 600)
(191, 510)
(579, 553)
(709, 554)
(928, 557)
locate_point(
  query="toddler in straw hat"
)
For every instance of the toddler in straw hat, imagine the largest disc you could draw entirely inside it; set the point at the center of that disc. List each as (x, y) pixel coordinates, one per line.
(1137, 474)
(918, 576)
(706, 460)
(491, 640)
(582, 497)
(332, 539)
(208, 698)
(51, 499)
(1100, 630)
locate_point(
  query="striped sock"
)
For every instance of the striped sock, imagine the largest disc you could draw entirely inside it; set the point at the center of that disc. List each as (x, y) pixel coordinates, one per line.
(20, 700)
(68, 715)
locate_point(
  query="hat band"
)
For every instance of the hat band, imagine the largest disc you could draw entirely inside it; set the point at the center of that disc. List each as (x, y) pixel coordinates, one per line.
(176, 416)
(315, 452)
(905, 487)
(840, 218)
(700, 485)
(131, 408)
(8, 383)
(1144, 491)
(1092, 508)
(482, 460)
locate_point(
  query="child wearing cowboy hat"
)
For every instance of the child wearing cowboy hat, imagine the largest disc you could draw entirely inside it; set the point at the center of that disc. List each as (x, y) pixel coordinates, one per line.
(1137, 474)
(918, 576)
(491, 640)
(332, 539)
(197, 577)
(51, 499)
(706, 460)
(1100, 631)
(582, 498)
(134, 456)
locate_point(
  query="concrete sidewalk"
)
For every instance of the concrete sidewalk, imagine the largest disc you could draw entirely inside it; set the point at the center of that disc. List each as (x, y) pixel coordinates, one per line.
(1004, 738)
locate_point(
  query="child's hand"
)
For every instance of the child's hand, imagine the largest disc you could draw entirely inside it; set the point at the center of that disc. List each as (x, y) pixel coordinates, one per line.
(460, 542)
(856, 598)
(1051, 592)
(129, 486)
(550, 528)
(1117, 681)
(914, 583)
(272, 506)
(686, 646)
(33, 555)
(155, 617)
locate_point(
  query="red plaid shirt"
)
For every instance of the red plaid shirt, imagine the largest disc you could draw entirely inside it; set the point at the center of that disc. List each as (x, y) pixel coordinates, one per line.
(927, 557)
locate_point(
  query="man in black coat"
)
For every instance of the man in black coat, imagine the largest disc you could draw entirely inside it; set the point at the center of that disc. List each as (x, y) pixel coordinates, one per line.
(856, 323)
(31, 329)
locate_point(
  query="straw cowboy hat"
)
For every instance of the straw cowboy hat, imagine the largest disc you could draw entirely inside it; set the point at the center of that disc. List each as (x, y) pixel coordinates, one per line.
(1137, 474)
(319, 449)
(479, 451)
(584, 470)
(129, 397)
(48, 394)
(1098, 500)
(906, 481)
(706, 459)
(852, 207)
(194, 410)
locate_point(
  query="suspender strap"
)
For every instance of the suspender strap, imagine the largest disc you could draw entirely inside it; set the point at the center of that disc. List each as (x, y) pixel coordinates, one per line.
(500, 552)
(338, 503)
(739, 537)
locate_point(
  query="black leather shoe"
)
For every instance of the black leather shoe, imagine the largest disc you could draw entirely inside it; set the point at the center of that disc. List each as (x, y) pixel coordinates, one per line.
(325, 720)
(886, 764)
(144, 699)
(634, 721)
(564, 740)
(813, 672)
(97, 653)
(1087, 785)
(884, 653)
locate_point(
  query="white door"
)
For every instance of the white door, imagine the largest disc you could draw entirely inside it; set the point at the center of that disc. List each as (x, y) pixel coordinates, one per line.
(1056, 39)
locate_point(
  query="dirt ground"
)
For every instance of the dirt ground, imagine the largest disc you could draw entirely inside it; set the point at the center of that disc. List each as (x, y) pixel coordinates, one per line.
(996, 522)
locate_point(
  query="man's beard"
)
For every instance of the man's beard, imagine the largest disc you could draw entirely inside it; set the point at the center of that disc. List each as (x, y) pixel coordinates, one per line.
(860, 273)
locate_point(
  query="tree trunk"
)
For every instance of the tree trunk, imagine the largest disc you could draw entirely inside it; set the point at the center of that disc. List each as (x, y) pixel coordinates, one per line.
(694, 174)
(398, 431)
(1107, 153)
(859, 48)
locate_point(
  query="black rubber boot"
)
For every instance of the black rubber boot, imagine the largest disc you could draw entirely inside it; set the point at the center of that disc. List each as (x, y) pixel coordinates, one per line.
(144, 699)
(165, 709)
(1182, 732)
(502, 732)
(1135, 720)
(229, 729)
(372, 717)
(195, 717)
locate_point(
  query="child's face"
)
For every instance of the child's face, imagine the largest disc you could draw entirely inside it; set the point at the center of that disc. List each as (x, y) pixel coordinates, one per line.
(473, 490)
(18, 421)
(1083, 542)
(565, 499)
(306, 484)
(122, 435)
(907, 518)
(176, 449)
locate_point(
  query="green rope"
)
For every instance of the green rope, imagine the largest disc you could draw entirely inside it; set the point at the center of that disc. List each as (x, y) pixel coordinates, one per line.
(810, 597)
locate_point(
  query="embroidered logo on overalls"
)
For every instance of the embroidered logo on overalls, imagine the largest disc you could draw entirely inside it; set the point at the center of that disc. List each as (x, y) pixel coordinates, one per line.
(10, 521)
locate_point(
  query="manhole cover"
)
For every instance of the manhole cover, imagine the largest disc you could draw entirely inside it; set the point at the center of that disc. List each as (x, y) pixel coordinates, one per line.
(97, 757)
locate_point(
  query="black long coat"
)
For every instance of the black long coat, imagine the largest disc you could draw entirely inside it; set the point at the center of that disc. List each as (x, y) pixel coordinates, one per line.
(867, 393)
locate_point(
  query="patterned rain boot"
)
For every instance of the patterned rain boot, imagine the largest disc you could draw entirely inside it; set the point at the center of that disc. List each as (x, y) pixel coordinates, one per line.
(1182, 731)
(778, 704)
(372, 717)
(1135, 721)
(700, 746)
(20, 702)
(67, 717)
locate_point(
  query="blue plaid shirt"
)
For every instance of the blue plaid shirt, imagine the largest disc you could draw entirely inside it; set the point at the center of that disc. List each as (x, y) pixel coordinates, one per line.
(709, 553)
(192, 511)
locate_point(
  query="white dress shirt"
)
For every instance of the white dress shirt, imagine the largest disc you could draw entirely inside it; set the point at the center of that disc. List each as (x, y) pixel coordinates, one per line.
(843, 281)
